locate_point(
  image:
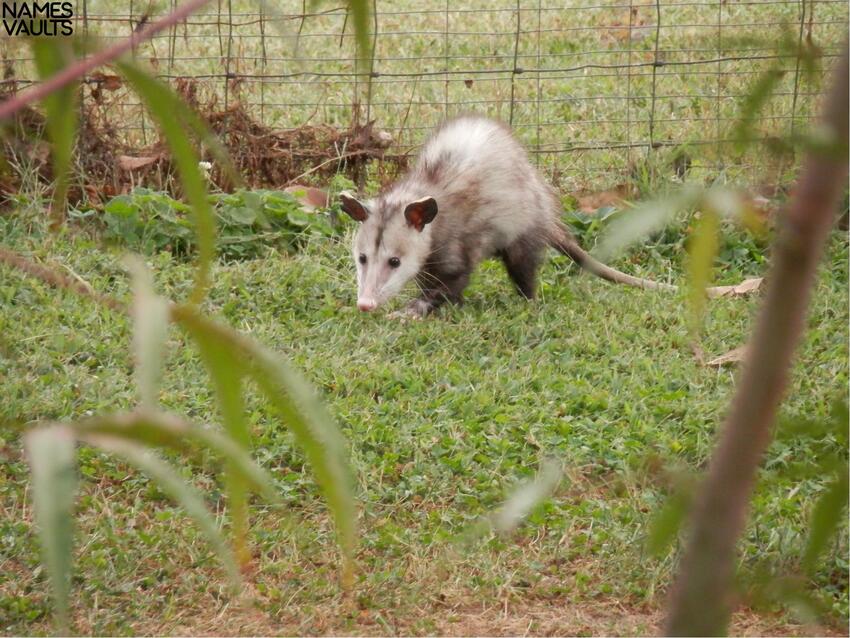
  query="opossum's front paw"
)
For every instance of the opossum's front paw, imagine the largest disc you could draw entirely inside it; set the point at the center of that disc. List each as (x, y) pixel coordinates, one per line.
(403, 315)
(416, 309)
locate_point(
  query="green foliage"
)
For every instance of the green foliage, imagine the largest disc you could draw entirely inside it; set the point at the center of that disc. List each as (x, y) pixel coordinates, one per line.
(524, 499)
(227, 373)
(248, 221)
(770, 582)
(168, 109)
(173, 484)
(130, 436)
(645, 220)
(302, 412)
(764, 86)
(829, 441)
(228, 357)
(360, 12)
(150, 316)
(741, 248)
(51, 55)
(145, 219)
(827, 515)
(669, 518)
(587, 226)
(703, 249)
(54, 476)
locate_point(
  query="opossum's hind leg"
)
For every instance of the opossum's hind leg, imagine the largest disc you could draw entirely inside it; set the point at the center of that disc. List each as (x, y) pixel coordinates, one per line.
(437, 288)
(522, 259)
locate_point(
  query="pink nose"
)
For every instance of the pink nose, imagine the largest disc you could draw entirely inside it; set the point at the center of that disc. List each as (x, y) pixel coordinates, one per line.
(366, 305)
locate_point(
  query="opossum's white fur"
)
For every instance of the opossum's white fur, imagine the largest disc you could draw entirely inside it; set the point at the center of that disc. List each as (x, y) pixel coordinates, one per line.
(490, 201)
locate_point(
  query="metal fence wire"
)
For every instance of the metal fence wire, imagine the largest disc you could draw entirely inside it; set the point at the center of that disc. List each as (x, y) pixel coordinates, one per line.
(591, 88)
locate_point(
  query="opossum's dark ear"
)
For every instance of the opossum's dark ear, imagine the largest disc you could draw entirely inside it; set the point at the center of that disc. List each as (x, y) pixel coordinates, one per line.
(421, 212)
(357, 211)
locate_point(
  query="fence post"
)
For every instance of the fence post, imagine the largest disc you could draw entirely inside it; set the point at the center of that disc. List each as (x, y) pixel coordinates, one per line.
(797, 67)
(172, 41)
(539, 96)
(656, 63)
(228, 61)
(718, 88)
(446, 62)
(516, 70)
(264, 63)
(372, 60)
(218, 29)
(141, 110)
(629, 88)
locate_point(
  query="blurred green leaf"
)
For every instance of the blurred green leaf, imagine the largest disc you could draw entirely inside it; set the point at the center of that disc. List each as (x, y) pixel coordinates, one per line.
(361, 16)
(667, 522)
(705, 242)
(753, 102)
(153, 428)
(640, 222)
(227, 371)
(166, 108)
(150, 319)
(243, 215)
(183, 494)
(526, 497)
(121, 205)
(360, 12)
(790, 591)
(303, 413)
(828, 513)
(52, 457)
(198, 128)
(51, 56)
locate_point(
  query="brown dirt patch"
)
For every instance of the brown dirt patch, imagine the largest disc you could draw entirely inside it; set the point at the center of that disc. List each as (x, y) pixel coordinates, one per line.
(486, 618)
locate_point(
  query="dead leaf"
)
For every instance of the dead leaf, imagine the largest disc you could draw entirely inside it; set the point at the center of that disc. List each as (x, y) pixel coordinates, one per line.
(625, 27)
(108, 82)
(744, 288)
(733, 356)
(128, 163)
(590, 202)
(310, 198)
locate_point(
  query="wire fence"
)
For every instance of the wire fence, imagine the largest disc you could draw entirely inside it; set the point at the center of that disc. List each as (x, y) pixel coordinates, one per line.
(593, 90)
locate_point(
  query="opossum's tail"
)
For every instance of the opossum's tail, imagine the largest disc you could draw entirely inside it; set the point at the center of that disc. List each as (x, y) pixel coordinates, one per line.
(565, 243)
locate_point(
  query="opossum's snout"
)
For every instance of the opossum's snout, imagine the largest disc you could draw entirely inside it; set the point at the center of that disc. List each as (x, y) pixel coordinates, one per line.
(366, 304)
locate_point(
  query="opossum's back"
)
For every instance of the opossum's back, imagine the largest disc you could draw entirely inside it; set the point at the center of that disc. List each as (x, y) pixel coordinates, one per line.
(485, 184)
(469, 142)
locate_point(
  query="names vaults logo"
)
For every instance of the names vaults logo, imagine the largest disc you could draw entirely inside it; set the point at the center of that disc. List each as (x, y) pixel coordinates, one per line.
(34, 19)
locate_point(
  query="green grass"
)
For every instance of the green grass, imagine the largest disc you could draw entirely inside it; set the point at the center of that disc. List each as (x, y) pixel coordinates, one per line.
(443, 418)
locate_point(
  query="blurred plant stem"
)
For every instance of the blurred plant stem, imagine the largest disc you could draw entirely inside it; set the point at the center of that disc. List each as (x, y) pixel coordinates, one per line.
(701, 596)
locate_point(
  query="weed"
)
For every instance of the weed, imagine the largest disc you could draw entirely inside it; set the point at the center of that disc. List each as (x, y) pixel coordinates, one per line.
(249, 222)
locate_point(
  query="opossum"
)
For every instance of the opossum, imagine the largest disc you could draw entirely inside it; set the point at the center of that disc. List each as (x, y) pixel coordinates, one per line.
(472, 194)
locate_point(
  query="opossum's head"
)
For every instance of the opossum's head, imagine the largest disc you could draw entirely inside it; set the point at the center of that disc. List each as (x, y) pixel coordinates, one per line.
(390, 246)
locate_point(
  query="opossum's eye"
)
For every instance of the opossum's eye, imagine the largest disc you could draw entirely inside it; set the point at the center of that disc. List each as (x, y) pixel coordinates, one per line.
(394, 262)
(362, 258)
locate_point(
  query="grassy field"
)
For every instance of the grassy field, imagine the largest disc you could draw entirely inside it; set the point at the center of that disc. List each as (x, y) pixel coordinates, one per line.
(444, 418)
